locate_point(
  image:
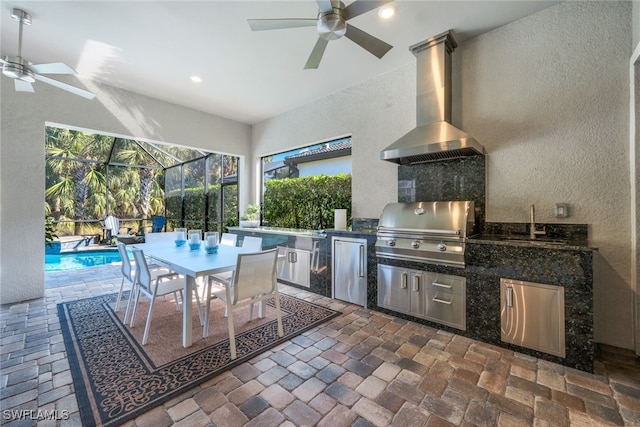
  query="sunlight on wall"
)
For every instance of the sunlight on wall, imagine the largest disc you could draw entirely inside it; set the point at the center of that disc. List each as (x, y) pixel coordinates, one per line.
(95, 65)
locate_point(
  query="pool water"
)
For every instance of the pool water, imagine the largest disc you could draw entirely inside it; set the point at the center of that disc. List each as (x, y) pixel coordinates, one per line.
(67, 261)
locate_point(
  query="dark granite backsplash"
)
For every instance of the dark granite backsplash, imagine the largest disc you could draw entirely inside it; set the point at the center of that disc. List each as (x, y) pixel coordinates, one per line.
(456, 179)
(553, 231)
(358, 224)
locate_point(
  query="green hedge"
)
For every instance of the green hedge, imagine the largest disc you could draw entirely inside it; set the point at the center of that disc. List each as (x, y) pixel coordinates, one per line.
(306, 202)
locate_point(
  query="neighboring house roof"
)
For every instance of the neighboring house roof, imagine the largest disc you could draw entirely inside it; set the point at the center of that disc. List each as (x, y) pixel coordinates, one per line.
(269, 167)
(325, 152)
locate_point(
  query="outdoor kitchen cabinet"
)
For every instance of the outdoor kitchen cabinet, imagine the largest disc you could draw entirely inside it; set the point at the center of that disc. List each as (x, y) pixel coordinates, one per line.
(294, 265)
(399, 289)
(427, 295)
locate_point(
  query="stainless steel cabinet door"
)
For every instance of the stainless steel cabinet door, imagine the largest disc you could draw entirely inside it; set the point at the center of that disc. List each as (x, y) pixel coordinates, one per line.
(393, 288)
(532, 316)
(294, 266)
(350, 270)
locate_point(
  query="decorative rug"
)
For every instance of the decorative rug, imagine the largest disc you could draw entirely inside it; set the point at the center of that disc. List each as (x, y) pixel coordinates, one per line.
(116, 378)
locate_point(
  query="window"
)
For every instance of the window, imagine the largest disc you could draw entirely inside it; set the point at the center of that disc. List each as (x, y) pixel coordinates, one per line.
(302, 187)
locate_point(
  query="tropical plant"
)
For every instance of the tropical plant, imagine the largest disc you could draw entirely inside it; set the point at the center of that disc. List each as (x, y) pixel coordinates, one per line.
(74, 157)
(251, 213)
(49, 231)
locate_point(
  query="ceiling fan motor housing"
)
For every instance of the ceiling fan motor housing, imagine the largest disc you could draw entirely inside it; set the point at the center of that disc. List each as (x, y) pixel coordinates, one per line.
(15, 67)
(332, 25)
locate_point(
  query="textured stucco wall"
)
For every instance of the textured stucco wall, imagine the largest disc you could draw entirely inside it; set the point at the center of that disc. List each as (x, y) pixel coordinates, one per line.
(548, 96)
(374, 113)
(636, 23)
(22, 171)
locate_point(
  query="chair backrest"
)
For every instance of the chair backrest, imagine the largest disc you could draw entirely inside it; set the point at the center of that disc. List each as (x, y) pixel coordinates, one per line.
(255, 275)
(252, 243)
(168, 236)
(143, 276)
(112, 223)
(228, 239)
(126, 263)
(158, 222)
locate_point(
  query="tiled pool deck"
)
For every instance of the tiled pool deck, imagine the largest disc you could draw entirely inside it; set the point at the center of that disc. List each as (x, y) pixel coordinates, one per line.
(361, 368)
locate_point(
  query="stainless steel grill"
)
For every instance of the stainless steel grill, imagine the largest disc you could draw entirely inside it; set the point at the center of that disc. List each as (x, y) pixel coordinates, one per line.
(430, 232)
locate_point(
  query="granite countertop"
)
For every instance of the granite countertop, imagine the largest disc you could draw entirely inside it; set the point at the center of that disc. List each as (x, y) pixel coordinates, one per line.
(320, 234)
(279, 230)
(522, 240)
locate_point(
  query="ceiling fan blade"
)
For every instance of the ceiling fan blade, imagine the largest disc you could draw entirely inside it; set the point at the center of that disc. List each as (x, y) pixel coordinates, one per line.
(324, 5)
(75, 90)
(316, 54)
(359, 7)
(278, 24)
(51, 68)
(22, 86)
(373, 45)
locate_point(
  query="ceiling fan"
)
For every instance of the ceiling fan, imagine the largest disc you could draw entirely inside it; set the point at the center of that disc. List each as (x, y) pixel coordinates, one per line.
(24, 73)
(332, 25)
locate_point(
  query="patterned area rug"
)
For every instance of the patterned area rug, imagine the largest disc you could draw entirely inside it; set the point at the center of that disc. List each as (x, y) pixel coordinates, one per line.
(116, 379)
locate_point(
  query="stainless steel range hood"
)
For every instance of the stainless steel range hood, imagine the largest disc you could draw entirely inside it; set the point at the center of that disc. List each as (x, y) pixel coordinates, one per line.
(434, 138)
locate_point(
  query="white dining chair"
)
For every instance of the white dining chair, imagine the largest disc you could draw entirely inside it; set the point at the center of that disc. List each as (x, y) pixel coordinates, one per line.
(228, 239)
(252, 243)
(152, 288)
(249, 242)
(128, 276)
(254, 280)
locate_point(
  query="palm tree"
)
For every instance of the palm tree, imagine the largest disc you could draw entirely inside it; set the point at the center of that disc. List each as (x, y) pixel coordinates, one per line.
(79, 178)
(134, 155)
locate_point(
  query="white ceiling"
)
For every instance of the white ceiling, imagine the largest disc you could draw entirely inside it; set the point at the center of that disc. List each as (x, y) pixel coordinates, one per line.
(153, 47)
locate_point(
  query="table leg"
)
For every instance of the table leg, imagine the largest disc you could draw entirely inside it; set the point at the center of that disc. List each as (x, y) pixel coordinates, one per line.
(187, 312)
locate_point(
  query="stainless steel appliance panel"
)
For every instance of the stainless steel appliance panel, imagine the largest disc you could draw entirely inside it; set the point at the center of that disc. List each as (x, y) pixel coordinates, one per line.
(448, 218)
(446, 308)
(446, 283)
(445, 299)
(393, 288)
(349, 273)
(532, 316)
(294, 266)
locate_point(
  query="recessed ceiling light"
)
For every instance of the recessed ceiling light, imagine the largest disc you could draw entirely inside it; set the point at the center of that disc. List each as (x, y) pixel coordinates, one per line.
(196, 79)
(387, 11)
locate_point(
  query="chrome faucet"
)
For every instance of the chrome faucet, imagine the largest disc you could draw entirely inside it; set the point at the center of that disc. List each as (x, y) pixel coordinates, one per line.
(532, 227)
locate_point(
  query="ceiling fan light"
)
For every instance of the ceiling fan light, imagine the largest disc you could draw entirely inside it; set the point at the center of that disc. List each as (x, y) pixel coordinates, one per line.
(386, 11)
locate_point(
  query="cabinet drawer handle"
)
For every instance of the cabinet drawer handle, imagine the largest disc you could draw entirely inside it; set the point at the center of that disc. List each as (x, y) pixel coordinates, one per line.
(403, 281)
(416, 283)
(441, 285)
(441, 301)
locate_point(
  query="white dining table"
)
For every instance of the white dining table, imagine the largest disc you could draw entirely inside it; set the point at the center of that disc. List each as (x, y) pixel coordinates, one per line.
(192, 264)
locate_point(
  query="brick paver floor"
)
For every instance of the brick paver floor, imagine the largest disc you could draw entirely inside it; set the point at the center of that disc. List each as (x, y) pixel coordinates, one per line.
(362, 368)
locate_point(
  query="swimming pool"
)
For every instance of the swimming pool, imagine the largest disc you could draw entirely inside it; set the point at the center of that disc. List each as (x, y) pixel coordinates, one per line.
(67, 261)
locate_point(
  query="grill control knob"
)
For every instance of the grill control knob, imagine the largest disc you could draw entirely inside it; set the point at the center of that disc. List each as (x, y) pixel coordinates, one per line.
(415, 244)
(442, 247)
(391, 242)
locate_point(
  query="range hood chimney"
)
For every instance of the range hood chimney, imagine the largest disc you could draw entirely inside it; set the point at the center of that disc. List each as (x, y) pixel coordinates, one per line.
(434, 138)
